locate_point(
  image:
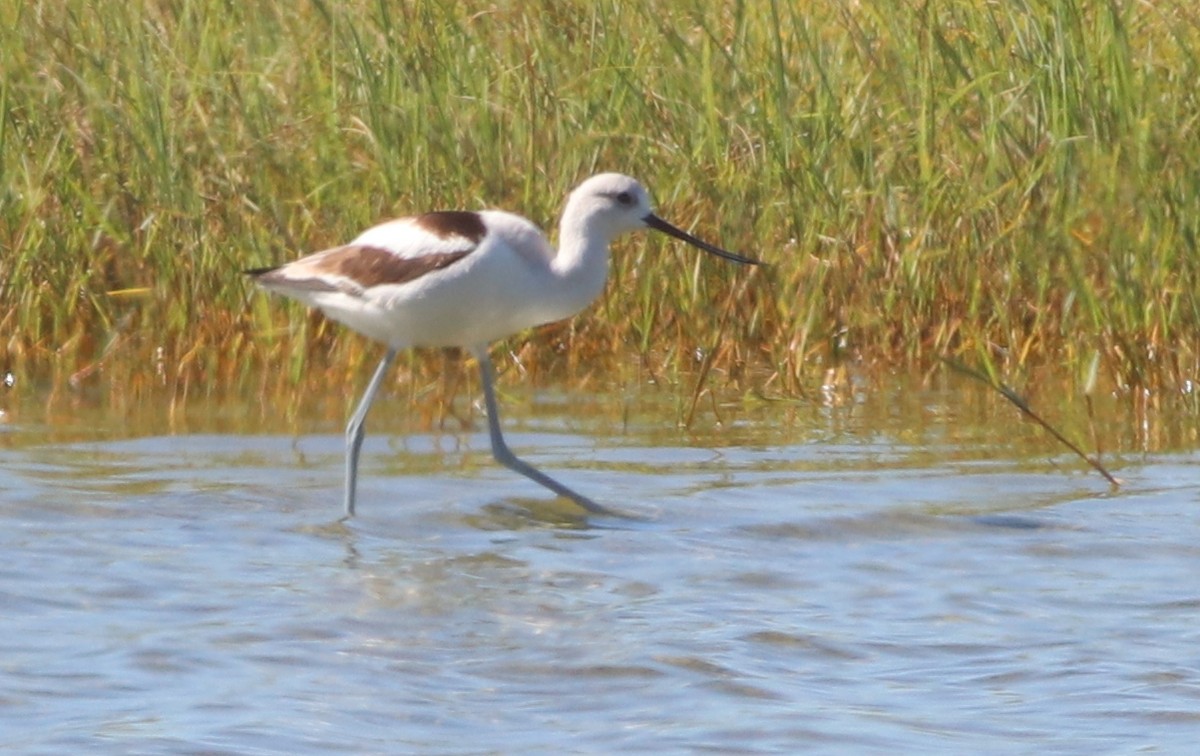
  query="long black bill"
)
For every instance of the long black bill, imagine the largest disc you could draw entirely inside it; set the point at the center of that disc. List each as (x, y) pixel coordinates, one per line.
(653, 221)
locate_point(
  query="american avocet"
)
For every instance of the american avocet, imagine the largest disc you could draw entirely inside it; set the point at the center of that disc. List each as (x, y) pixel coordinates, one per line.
(466, 279)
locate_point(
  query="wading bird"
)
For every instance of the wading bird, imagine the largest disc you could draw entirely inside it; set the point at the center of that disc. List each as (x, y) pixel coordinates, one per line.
(466, 279)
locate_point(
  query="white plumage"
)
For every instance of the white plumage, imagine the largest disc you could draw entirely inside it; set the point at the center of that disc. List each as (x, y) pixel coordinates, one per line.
(466, 279)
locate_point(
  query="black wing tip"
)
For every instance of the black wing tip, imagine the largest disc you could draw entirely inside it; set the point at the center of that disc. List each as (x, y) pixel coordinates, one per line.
(259, 272)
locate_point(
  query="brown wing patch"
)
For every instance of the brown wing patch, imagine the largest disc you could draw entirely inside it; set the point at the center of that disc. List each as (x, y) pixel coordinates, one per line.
(448, 224)
(370, 266)
(354, 268)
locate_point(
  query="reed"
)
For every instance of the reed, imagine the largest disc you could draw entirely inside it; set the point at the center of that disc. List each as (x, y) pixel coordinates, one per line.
(1012, 185)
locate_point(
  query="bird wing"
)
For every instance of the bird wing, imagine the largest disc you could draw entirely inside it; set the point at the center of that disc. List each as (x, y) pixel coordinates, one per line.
(392, 253)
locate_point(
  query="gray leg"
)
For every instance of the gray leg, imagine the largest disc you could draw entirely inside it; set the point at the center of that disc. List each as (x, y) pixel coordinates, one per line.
(354, 430)
(505, 456)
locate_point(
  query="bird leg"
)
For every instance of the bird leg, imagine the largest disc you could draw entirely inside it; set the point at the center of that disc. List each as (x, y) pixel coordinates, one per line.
(505, 456)
(354, 430)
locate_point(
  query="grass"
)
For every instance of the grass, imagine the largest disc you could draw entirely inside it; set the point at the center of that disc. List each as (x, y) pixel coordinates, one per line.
(1013, 185)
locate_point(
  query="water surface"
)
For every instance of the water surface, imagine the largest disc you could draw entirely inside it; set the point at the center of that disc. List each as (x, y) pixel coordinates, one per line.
(797, 578)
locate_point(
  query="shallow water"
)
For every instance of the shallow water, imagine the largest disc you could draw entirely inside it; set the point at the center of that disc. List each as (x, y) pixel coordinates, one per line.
(850, 580)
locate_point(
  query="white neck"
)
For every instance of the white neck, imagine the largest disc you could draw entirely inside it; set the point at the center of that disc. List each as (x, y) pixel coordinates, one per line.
(581, 263)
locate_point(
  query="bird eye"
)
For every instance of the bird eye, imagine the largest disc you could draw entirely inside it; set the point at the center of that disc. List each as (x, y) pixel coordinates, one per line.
(625, 198)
